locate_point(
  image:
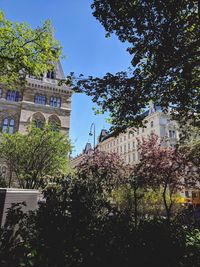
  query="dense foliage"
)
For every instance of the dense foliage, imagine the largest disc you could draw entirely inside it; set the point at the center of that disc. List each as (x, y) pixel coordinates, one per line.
(165, 168)
(36, 156)
(163, 38)
(76, 226)
(107, 168)
(26, 51)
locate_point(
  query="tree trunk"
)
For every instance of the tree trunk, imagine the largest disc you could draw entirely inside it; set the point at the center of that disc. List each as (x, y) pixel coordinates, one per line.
(168, 210)
(135, 207)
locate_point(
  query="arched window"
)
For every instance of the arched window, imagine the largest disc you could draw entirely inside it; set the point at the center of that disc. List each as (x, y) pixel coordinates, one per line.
(55, 122)
(38, 124)
(38, 119)
(8, 126)
(5, 125)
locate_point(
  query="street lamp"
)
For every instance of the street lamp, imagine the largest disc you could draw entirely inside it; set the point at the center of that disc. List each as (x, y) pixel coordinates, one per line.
(92, 134)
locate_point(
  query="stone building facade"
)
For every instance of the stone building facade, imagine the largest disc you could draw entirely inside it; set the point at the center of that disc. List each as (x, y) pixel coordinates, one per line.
(42, 100)
(125, 144)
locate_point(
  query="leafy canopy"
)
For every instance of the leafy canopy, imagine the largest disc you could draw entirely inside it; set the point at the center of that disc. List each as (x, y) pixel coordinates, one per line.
(36, 156)
(164, 40)
(25, 51)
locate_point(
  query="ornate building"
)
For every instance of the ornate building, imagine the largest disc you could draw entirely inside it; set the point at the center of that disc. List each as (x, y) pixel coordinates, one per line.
(42, 100)
(125, 144)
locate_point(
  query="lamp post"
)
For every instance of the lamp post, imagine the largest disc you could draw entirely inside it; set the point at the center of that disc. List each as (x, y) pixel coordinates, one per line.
(92, 134)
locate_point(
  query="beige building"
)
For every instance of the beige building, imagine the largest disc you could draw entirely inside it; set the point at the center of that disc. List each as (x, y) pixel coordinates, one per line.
(125, 144)
(42, 100)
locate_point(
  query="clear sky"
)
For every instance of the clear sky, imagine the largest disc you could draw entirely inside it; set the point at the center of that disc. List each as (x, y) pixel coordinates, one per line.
(85, 48)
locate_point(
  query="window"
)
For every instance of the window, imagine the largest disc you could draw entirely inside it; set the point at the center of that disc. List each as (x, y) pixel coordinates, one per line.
(124, 148)
(38, 124)
(129, 146)
(187, 194)
(8, 126)
(3, 171)
(172, 134)
(5, 125)
(133, 156)
(11, 126)
(12, 96)
(51, 75)
(124, 137)
(133, 144)
(194, 194)
(40, 99)
(58, 102)
(1, 92)
(151, 124)
(55, 102)
(143, 130)
(51, 101)
(138, 131)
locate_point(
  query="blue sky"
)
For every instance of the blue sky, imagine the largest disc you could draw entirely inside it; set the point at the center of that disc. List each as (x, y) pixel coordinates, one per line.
(85, 48)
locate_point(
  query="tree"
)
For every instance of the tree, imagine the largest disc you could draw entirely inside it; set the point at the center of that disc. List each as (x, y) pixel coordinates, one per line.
(106, 169)
(165, 168)
(163, 38)
(36, 156)
(26, 51)
(190, 146)
(75, 228)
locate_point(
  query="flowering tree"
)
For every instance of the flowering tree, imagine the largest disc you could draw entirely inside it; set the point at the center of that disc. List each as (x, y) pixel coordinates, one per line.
(166, 168)
(106, 169)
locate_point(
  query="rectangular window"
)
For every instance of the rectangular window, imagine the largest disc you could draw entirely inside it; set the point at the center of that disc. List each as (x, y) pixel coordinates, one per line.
(187, 194)
(124, 148)
(172, 134)
(133, 144)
